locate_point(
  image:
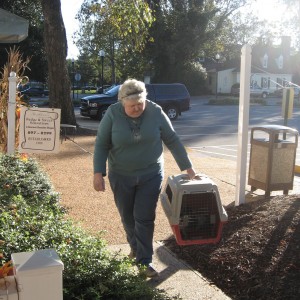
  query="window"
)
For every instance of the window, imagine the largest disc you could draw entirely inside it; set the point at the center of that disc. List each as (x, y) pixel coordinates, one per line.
(201, 59)
(201, 56)
(264, 83)
(280, 62)
(265, 61)
(281, 82)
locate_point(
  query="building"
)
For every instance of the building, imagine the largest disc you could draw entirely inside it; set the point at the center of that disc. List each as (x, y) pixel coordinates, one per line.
(270, 69)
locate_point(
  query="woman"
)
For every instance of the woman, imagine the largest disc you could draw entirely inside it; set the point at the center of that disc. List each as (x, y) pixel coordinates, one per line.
(131, 136)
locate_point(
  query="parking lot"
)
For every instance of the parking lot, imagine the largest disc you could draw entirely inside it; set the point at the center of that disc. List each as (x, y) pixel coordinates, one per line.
(211, 130)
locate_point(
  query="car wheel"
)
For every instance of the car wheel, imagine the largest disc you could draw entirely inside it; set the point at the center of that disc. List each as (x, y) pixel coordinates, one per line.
(172, 112)
(264, 95)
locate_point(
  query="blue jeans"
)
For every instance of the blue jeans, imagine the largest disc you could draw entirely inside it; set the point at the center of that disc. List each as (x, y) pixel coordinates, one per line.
(136, 199)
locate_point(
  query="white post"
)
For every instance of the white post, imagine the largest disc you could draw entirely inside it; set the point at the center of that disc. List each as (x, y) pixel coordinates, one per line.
(243, 125)
(11, 114)
(38, 275)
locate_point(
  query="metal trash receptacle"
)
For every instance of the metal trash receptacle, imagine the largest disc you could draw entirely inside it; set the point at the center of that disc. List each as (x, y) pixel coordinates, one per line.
(272, 158)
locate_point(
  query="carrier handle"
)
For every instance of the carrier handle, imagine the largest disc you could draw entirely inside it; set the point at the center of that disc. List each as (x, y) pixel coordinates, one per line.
(197, 177)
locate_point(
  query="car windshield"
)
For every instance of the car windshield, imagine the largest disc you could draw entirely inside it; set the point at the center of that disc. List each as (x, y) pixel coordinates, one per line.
(112, 91)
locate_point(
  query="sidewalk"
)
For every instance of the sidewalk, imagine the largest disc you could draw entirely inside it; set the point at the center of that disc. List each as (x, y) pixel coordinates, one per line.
(176, 277)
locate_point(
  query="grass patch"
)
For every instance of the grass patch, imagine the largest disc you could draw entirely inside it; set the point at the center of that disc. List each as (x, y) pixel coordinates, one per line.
(235, 101)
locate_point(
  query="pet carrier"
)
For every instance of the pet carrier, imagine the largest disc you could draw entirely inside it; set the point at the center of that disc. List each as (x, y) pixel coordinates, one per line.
(194, 209)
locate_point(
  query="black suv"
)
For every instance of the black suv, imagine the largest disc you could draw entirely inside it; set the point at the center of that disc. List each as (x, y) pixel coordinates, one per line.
(35, 91)
(174, 98)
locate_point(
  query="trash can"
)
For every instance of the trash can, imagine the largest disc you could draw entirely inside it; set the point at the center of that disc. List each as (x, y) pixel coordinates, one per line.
(272, 158)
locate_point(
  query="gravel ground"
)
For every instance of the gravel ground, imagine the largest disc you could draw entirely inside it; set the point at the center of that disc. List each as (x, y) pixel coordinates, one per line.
(71, 173)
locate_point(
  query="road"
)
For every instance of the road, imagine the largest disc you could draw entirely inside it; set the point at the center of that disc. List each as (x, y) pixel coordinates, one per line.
(212, 129)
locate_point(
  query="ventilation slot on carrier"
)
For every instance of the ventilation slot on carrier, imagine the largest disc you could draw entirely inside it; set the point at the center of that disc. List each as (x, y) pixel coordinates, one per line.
(199, 216)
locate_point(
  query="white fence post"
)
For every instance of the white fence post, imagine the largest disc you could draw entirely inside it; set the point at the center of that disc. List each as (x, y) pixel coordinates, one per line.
(38, 275)
(243, 125)
(11, 114)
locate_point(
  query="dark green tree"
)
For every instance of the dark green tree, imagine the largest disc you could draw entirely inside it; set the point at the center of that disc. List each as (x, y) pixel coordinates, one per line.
(120, 28)
(46, 44)
(183, 31)
(33, 45)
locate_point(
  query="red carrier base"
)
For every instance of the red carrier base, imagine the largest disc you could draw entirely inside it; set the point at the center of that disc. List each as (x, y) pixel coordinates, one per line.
(197, 239)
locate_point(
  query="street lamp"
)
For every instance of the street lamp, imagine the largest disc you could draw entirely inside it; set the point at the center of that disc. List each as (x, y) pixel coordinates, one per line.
(73, 76)
(102, 54)
(217, 61)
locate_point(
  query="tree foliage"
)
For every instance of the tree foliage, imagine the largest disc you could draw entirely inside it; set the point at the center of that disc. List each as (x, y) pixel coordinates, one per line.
(46, 45)
(162, 38)
(292, 18)
(184, 31)
(33, 45)
(113, 26)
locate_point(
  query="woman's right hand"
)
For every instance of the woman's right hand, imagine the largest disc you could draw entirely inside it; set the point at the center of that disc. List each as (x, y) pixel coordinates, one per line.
(99, 183)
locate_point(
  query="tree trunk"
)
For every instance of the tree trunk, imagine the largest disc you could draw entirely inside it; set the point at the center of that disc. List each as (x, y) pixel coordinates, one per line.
(56, 50)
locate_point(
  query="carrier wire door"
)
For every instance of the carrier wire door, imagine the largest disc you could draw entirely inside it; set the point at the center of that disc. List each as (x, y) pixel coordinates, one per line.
(194, 209)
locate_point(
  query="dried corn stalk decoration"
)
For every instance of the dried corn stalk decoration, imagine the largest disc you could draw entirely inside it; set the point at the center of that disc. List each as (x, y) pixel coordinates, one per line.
(15, 64)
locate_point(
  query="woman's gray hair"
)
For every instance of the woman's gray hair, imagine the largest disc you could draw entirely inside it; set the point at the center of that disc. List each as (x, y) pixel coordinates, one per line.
(132, 89)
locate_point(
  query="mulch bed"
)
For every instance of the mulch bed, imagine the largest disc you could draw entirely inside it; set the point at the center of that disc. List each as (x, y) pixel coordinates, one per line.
(258, 256)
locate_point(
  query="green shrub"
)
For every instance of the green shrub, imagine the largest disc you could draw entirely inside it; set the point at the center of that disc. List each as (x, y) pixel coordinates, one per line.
(235, 101)
(224, 101)
(31, 219)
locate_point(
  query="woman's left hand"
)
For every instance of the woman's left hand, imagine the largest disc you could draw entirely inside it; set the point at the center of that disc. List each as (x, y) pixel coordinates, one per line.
(191, 172)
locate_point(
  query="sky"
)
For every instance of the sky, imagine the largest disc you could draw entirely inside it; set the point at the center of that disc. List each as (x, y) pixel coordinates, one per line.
(69, 9)
(265, 9)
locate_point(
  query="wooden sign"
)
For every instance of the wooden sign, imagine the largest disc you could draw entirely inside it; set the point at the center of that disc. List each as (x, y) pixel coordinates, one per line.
(39, 130)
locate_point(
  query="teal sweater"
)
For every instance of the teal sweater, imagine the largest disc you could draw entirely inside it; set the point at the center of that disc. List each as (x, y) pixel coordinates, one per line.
(126, 155)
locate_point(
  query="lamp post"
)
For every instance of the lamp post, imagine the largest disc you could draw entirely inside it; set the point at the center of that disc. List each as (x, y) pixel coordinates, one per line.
(217, 61)
(73, 76)
(102, 54)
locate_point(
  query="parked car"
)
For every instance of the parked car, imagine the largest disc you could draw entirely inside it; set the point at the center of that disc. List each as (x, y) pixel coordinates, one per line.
(104, 88)
(173, 98)
(254, 91)
(235, 89)
(279, 92)
(35, 91)
(89, 88)
(95, 106)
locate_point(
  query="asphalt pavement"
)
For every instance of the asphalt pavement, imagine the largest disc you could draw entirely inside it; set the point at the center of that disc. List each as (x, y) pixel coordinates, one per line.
(176, 277)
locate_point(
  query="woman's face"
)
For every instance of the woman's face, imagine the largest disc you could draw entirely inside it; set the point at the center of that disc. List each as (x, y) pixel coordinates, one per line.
(133, 108)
